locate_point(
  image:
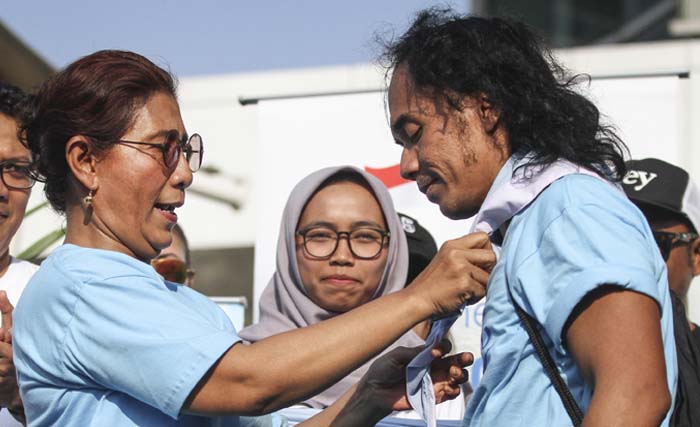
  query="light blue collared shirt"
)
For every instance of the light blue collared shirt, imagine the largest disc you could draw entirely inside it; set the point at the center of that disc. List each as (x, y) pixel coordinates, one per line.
(569, 233)
(101, 340)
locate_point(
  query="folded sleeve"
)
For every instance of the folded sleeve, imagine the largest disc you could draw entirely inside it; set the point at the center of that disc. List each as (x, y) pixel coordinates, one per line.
(583, 248)
(136, 337)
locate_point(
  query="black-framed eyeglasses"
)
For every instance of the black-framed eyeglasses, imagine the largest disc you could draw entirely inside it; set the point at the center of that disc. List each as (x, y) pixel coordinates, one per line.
(667, 240)
(173, 147)
(364, 243)
(18, 174)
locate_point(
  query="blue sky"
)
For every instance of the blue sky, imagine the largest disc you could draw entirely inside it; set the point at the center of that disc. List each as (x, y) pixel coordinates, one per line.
(213, 36)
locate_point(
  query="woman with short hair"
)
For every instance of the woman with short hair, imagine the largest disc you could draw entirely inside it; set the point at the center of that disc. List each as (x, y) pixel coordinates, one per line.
(114, 343)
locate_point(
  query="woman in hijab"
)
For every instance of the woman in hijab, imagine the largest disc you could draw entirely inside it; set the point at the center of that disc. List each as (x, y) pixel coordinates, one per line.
(115, 344)
(341, 245)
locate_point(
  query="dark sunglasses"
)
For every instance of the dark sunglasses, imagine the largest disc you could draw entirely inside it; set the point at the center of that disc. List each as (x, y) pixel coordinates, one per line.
(173, 147)
(667, 240)
(172, 269)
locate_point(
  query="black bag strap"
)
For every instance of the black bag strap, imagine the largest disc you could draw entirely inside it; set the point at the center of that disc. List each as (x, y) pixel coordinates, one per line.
(550, 368)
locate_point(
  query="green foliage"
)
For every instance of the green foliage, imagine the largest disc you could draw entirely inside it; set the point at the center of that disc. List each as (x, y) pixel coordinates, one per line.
(36, 208)
(40, 245)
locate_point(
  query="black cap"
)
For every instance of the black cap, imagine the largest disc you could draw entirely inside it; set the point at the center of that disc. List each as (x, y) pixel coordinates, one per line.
(421, 246)
(661, 184)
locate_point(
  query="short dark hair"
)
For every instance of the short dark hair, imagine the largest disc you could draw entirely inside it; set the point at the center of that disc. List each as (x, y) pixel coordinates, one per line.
(95, 96)
(12, 101)
(455, 56)
(344, 175)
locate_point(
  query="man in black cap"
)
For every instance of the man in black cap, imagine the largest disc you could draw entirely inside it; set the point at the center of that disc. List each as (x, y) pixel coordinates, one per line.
(670, 201)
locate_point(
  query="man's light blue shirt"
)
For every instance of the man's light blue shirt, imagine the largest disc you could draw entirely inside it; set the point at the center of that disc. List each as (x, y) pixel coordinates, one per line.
(101, 340)
(578, 234)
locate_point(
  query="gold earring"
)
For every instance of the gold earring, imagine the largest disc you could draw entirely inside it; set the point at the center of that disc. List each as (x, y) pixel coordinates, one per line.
(88, 199)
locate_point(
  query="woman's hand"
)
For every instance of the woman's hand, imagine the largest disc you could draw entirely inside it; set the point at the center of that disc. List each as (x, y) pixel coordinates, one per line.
(457, 275)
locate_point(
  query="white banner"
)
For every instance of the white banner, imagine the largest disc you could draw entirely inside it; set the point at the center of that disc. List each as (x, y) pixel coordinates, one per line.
(301, 135)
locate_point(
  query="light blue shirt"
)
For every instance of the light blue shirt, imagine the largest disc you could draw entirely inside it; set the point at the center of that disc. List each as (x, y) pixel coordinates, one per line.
(578, 234)
(101, 340)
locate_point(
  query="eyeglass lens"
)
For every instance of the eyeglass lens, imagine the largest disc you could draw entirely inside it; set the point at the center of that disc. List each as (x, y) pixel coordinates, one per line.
(364, 242)
(172, 149)
(17, 175)
(193, 150)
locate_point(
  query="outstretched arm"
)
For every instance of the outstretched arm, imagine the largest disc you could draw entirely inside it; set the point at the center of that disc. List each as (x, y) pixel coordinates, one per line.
(615, 339)
(383, 388)
(287, 368)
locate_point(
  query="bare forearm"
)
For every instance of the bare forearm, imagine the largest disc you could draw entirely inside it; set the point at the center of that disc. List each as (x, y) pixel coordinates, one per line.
(326, 417)
(344, 342)
(286, 368)
(612, 408)
(616, 343)
(354, 408)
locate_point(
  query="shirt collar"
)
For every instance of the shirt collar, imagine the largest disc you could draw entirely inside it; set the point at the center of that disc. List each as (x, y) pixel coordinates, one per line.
(515, 187)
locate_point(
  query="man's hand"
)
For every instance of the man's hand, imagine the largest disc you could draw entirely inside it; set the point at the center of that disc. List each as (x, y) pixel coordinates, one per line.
(9, 391)
(457, 275)
(385, 380)
(383, 388)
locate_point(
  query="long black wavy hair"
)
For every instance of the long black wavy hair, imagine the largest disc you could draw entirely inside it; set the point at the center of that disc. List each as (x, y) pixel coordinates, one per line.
(457, 56)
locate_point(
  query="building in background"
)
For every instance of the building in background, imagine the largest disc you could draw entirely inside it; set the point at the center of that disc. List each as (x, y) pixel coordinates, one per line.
(587, 22)
(20, 64)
